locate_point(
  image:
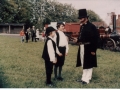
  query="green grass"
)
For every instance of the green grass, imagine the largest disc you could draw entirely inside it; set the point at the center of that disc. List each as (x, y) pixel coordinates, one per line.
(21, 66)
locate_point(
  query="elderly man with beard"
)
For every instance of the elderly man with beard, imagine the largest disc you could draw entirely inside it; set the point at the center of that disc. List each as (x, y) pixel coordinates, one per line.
(88, 41)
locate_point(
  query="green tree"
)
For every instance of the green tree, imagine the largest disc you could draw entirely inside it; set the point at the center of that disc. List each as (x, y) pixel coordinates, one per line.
(39, 12)
(93, 16)
(15, 11)
(6, 12)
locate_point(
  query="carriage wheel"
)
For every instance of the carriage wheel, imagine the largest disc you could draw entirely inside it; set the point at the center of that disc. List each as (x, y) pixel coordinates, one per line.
(109, 44)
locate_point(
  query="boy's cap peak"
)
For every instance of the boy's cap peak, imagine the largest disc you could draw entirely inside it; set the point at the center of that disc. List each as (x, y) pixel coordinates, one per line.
(60, 22)
(49, 29)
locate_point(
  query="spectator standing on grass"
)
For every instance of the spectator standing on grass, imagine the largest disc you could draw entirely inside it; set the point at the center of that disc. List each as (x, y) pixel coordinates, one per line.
(37, 34)
(43, 34)
(22, 34)
(27, 35)
(33, 33)
(50, 52)
(88, 41)
(62, 44)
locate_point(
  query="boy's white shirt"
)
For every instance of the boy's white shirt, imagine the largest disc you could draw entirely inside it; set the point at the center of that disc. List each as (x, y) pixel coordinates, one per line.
(51, 51)
(62, 40)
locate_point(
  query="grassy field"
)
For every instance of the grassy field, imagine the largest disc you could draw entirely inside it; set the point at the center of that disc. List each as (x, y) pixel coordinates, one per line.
(21, 66)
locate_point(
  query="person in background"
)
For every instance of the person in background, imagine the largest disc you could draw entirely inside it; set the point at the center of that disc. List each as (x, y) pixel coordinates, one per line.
(37, 34)
(62, 44)
(43, 34)
(107, 30)
(33, 33)
(22, 34)
(88, 41)
(27, 35)
(49, 55)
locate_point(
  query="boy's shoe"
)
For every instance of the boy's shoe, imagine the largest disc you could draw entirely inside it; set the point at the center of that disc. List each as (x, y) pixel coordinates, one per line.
(49, 84)
(60, 78)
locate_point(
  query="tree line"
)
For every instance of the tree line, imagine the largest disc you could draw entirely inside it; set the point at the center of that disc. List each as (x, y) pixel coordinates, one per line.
(39, 12)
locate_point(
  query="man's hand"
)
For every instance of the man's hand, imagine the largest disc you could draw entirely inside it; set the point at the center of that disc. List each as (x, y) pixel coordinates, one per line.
(60, 54)
(75, 40)
(93, 53)
(55, 61)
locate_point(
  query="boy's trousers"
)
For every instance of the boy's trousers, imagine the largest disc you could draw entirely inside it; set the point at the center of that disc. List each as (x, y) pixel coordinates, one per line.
(49, 70)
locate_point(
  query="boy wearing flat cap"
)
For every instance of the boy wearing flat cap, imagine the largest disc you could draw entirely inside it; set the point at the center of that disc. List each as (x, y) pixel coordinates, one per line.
(50, 52)
(62, 44)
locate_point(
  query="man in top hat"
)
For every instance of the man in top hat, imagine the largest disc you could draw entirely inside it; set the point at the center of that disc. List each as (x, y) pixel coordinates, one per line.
(88, 40)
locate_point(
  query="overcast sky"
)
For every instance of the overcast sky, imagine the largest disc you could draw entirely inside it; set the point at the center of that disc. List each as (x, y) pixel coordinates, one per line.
(101, 7)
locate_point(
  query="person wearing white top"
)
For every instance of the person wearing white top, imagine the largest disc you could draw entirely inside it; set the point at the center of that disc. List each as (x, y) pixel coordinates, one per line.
(37, 34)
(62, 44)
(50, 52)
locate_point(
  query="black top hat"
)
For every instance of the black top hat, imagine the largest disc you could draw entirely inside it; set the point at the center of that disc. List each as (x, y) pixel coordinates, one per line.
(49, 29)
(82, 13)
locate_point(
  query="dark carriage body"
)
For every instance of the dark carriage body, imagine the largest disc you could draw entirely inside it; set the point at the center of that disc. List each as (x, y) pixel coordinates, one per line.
(110, 39)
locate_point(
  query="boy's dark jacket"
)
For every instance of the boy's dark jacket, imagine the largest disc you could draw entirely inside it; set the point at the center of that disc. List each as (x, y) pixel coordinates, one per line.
(45, 54)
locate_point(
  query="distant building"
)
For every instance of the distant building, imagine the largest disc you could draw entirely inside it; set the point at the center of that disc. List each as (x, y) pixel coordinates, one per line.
(11, 28)
(117, 21)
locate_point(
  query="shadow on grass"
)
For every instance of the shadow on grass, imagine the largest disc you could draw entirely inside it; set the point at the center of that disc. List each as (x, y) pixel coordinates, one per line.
(1, 82)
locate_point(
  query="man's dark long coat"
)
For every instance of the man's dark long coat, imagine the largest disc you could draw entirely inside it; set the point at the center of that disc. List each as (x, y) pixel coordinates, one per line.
(88, 33)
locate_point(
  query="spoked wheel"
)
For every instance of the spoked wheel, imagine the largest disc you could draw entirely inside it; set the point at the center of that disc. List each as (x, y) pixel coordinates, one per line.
(109, 44)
